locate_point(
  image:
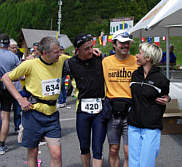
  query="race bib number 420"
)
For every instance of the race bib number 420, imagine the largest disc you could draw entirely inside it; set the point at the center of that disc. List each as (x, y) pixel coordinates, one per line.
(50, 87)
(91, 106)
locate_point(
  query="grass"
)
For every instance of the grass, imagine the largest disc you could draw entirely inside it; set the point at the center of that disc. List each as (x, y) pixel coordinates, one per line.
(176, 41)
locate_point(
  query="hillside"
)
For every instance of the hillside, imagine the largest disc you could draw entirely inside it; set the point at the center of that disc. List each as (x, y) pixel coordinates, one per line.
(77, 15)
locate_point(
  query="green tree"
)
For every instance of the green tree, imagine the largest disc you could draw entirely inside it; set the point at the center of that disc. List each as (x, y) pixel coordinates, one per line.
(90, 16)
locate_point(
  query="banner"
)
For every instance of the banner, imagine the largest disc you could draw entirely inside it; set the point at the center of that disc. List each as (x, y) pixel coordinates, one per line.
(157, 41)
(56, 35)
(100, 40)
(149, 39)
(104, 40)
(164, 38)
(109, 38)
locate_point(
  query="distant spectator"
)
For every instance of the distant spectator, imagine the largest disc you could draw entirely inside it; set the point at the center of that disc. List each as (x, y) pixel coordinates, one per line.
(172, 57)
(61, 50)
(13, 46)
(112, 52)
(62, 96)
(16, 107)
(0, 118)
(8, 61)
(35, 51)
(35, 45)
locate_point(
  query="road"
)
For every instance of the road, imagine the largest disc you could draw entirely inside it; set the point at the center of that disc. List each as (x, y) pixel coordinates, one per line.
(170, 151)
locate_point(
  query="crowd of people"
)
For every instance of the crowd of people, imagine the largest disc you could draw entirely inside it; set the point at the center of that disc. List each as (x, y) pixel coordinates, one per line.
(118, 95)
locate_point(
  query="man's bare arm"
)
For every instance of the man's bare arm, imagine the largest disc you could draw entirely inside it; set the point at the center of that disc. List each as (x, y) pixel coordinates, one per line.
(24, 103)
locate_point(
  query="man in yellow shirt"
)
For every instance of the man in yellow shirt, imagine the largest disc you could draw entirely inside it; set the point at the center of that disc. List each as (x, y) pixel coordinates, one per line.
(42, 88)
(117, 70)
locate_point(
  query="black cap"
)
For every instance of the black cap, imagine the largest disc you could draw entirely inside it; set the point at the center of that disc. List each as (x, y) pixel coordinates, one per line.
(81, 39)
(4, 39)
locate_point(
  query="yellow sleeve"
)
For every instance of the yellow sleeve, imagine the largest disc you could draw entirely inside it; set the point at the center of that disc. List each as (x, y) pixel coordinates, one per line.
(22, 70)
(63, 57)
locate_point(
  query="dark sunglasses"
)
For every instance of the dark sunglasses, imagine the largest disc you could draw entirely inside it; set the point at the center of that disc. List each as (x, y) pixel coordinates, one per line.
(124, 35)
(4, 41)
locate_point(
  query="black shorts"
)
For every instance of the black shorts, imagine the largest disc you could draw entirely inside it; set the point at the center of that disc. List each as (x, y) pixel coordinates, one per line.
(6, 100)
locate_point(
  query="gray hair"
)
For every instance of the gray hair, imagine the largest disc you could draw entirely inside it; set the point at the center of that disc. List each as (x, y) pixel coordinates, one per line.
(151, 51)
(13, 42)
(47, 43)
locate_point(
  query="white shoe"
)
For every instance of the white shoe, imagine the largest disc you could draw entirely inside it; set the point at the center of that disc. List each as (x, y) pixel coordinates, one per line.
(61, 105)
(42, 143)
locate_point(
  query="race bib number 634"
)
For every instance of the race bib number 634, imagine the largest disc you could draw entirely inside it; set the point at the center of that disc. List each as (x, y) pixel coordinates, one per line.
(50, 87)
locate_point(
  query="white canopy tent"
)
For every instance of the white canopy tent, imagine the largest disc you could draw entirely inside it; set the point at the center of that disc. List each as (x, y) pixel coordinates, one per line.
(165, 19)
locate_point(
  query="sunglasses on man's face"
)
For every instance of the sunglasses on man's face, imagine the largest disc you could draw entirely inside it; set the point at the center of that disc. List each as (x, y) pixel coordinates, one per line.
(124, 35)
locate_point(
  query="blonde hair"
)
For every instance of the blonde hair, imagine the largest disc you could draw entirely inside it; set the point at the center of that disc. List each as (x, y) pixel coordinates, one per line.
(151, 51)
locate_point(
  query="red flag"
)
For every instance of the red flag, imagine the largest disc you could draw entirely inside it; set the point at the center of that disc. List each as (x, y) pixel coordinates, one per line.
(143, 39)
(94, 40)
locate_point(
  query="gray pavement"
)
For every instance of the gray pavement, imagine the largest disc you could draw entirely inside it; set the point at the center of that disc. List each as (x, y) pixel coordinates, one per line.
(170, 151)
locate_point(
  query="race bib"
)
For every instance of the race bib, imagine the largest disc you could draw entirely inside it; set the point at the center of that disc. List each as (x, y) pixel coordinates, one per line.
(50, 87)
(91, 106)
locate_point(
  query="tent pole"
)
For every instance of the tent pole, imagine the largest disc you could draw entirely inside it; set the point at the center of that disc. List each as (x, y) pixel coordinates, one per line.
(167, 53)
(141, 36)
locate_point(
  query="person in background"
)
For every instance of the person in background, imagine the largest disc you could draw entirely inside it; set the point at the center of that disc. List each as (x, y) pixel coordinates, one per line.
(0, 118)
(13, 46)
(74, 92)
(30, 55)
(36, 52)
(62, 97)
(8, 61)
(61, 50)
(172, 57)
(112, 52)
(145, 117)
(17, 84)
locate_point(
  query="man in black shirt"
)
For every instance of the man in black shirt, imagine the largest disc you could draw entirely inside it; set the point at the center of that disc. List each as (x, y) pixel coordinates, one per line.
(86, 69)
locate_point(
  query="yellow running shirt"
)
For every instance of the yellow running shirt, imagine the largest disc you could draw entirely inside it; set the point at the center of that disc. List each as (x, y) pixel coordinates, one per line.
(117, 75)
(41, 80)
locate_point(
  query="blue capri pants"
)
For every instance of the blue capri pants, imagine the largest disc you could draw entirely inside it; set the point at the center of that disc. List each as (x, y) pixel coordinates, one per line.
(143, 146)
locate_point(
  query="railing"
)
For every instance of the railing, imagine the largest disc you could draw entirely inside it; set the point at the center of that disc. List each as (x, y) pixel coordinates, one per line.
(175, 75)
